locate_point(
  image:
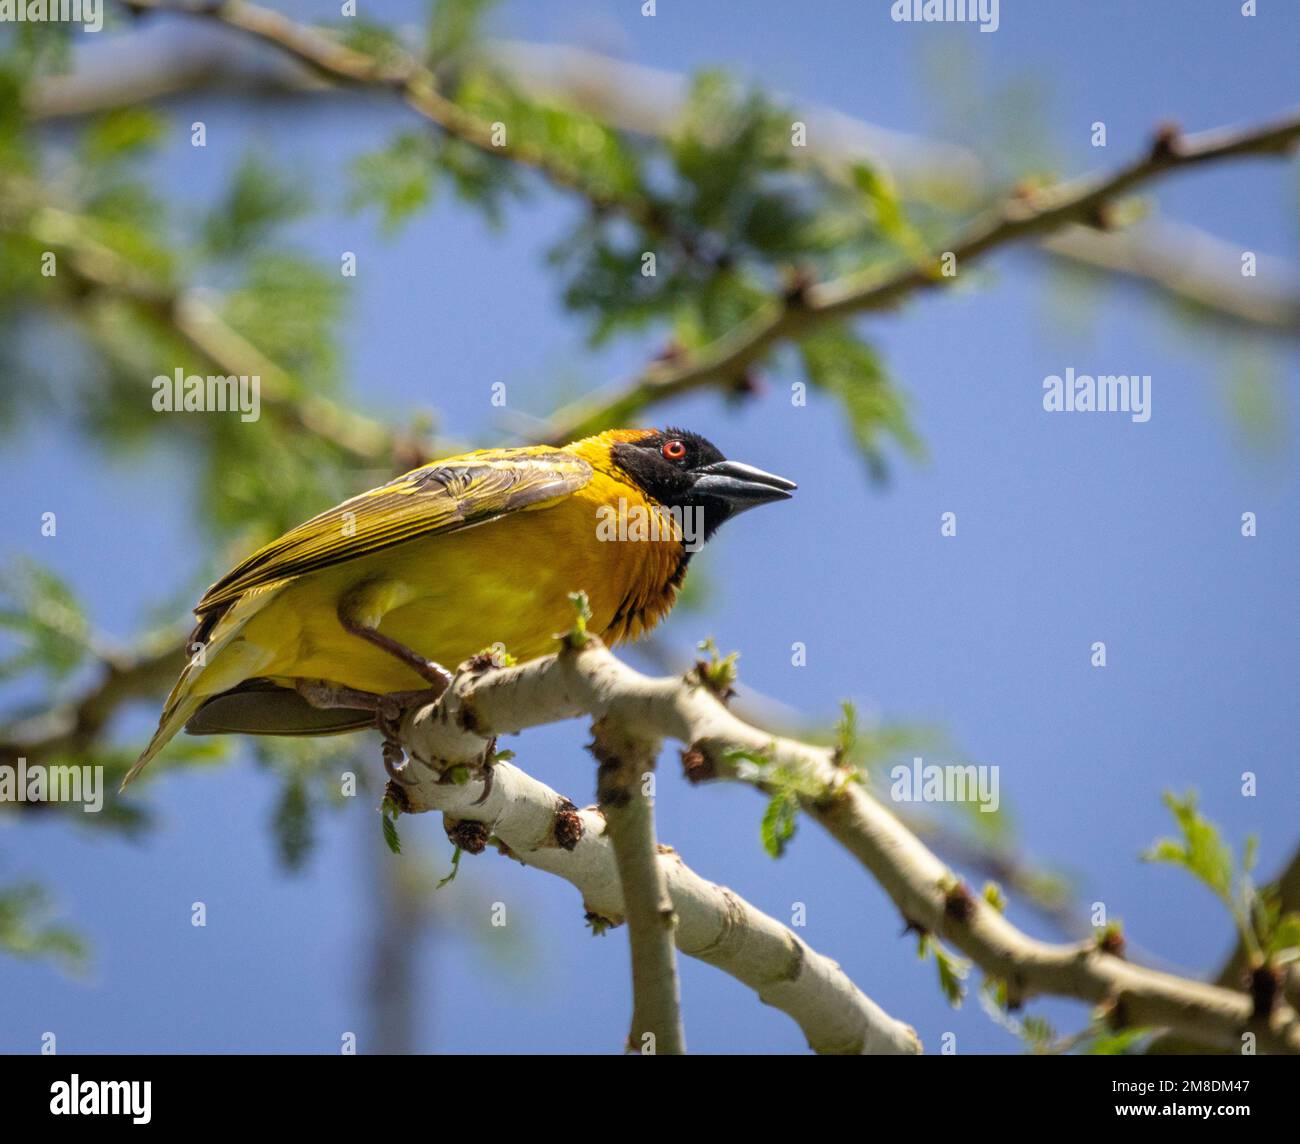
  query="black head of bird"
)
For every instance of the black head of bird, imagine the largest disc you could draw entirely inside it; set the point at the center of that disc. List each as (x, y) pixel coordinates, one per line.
(683, 470)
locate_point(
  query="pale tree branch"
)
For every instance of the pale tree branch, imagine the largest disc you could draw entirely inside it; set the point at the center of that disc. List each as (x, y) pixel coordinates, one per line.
(592, 682)
(625, 791)
(530, 822)
(1192, 267)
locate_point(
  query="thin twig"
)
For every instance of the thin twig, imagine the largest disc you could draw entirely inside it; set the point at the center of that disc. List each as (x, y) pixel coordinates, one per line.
(1181, 261)
(1032, 214)
(69, 730)
(417, 86)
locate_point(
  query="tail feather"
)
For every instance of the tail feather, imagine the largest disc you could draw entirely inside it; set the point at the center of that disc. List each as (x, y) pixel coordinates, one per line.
(227, 662)
(179, 708)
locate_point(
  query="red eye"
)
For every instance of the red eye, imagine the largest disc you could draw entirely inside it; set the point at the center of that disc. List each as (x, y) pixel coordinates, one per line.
(674, 450)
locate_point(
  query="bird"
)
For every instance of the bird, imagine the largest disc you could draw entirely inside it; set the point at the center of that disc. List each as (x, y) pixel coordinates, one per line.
(362, 607)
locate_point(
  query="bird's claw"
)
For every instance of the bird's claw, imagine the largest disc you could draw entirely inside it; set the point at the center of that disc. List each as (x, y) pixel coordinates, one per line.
(489, 771)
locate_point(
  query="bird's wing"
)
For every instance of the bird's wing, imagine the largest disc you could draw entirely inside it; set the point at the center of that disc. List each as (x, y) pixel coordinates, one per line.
(445, 496)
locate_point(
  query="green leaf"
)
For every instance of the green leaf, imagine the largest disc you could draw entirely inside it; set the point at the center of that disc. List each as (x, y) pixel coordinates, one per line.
(455, 869)
(1285, 934)
(839, 363)
(398, 180)
(257, 200)
(369, 37)
(290, 308)
(779, 821)
(718, 673)
(390, 835)
(846, 733)
(122, 133)
(1038, 1033)
(731, 141)
(292, 824)
(952, 969)
(716, 307)
(26, 931)
(576, 637)
(1250, 853)
(882, 201)
(1200, 850)
(388, 813)
(453, 26)
(951, 977)
(47, 622)
(760, 759)
(1123, 1043)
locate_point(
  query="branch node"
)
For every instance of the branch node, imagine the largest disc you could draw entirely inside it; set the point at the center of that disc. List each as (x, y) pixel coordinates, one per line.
(395, 793)
(697, 767)
(1265, 985)
(467, 718)
(1167, 143)
(1113, 1013)
(470, 836)
(1111, 941)
(568, 829)
(673, 353)
(798, 281)
(599, 924)
(488, 659)
(621, 758)
(747, 383)
(958, 904)
(1015, 994)
(1102, 216)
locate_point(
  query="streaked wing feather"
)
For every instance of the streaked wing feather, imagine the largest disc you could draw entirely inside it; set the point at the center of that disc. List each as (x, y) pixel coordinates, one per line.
(442, 497)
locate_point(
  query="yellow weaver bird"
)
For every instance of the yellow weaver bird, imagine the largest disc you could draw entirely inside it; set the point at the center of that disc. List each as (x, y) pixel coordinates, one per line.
(368, 600)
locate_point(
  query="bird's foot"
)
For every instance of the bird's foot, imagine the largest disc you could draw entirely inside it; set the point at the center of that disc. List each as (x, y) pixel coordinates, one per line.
(489, 770)
(390, 709)
(433, 673)
(392, 706)
(395, 761)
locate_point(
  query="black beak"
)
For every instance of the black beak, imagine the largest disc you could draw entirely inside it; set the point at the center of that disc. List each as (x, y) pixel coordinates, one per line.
(740, 486)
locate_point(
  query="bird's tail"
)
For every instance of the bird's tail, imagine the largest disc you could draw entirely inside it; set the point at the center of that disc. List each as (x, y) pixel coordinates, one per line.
(181, 704)
(219, 668)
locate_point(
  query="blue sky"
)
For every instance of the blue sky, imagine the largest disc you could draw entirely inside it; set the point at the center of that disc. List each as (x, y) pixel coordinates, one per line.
(1071, 529)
